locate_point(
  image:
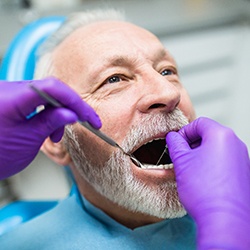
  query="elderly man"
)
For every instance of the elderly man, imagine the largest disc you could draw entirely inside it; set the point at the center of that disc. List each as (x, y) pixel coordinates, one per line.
(131, 81)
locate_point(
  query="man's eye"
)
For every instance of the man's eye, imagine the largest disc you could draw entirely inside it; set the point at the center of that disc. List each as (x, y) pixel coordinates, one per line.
(167, 72)
(114, 79)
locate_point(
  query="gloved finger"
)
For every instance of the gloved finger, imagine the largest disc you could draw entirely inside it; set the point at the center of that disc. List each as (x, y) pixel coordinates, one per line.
(86, 113)
(198, 129)
(56, 136)
(190, 132)
(177, 145)
(69, 99)
(51, 119)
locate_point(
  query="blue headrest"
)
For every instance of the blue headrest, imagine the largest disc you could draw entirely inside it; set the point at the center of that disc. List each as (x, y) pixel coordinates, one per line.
(20, 58)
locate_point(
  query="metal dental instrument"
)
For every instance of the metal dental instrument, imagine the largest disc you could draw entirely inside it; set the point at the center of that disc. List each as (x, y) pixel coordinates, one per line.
(164, 151)
(53, 102)
(110, 142)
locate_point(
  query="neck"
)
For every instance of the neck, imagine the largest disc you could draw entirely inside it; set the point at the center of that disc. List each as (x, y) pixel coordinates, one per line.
(123, 216)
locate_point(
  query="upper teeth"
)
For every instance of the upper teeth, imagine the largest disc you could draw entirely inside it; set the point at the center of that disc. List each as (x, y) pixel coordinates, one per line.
(155, 139)
(149, 166)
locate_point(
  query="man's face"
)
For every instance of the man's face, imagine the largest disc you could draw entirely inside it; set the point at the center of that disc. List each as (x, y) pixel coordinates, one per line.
(132, 82)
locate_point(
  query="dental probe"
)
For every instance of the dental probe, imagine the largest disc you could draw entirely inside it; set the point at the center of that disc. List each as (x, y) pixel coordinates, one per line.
(53, 102)
(164, 151)
(109, 141)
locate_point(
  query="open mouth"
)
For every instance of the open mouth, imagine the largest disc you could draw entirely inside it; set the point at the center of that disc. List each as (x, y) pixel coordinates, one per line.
(152, 155)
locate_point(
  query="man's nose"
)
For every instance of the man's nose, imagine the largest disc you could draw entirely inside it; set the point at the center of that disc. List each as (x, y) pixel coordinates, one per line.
(158, 94)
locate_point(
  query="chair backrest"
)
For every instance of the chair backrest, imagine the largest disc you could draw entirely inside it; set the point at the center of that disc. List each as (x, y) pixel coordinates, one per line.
(19, 212)
(19, 61)
(18, 64)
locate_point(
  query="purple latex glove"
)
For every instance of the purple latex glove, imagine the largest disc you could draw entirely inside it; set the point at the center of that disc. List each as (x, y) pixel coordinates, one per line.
(213, 182)
(21, 138)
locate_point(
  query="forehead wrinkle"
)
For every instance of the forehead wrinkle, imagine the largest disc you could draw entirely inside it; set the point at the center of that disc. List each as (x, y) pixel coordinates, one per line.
(128, 61)
(120, 61)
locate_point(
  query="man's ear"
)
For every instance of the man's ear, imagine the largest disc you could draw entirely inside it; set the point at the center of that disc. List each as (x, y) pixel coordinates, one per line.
(56, 152)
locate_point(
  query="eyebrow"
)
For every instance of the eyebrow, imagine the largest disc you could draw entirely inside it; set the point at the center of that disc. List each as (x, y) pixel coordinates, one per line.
(126, 61)
(163, 54)
(114, 61)
(117, 61)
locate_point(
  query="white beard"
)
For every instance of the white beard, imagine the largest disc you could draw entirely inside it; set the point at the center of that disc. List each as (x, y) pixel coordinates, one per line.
(115, 180)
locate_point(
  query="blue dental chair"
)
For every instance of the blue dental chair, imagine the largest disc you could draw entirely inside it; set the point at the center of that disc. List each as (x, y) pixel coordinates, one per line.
(18, 64)
(20, 58)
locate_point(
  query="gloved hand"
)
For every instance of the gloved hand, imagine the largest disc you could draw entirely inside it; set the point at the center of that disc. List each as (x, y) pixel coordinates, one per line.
(212, 170)
(21, 138)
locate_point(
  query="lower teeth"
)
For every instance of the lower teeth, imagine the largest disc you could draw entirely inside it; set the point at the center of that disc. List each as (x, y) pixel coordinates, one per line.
(149, 166)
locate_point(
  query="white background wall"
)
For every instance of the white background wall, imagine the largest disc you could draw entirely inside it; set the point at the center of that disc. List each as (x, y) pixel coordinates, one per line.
(210, 40)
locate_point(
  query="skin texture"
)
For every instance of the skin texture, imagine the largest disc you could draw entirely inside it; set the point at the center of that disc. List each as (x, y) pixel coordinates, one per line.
(126, 75)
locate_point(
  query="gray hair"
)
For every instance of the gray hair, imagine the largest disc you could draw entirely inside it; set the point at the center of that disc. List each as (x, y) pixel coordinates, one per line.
(74, 21)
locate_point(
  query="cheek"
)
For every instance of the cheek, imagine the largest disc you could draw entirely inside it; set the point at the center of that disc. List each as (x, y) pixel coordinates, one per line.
(95, 150)
(116, 120)
(116, 116)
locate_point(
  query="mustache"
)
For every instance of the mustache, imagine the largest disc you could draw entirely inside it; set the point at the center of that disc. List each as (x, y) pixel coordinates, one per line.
(152, 125)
